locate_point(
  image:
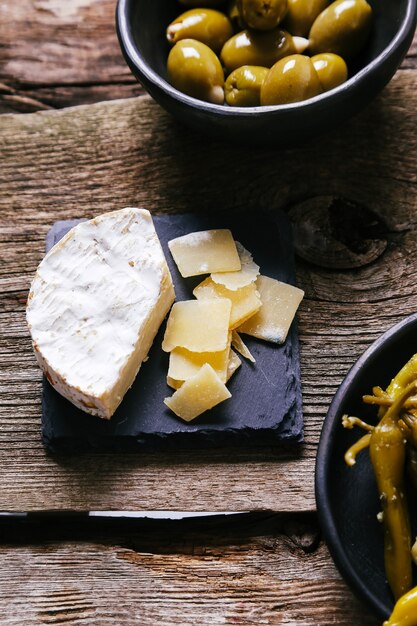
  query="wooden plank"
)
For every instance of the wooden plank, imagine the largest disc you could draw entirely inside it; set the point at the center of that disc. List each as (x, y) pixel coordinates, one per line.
(63, 43)
(31, 99)
(268, 570)
(87, 160)
(56, 53)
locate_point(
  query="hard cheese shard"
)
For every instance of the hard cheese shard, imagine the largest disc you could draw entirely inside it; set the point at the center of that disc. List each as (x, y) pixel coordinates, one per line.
(204, 252)
(95, 306)
(234, 364)
(247, 274)
(241, 347)
(245, 301)
(199, 326)
(183, 364)
(279, 305)
(198, 394)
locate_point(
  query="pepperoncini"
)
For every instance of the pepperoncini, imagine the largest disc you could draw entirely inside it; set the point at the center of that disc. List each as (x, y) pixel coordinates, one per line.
(388, 441)
(387, 452)
(405, 610)
(405, 376)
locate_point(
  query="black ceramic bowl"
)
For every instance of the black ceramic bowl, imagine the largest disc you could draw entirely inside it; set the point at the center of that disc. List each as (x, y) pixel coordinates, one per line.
(347, 499)
(141, 28)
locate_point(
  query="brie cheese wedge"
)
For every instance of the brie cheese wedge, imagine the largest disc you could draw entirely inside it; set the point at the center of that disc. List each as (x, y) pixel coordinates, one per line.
(95, 306)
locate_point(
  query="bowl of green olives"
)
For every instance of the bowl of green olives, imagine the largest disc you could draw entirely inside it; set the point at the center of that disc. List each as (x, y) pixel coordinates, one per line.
(262, 71)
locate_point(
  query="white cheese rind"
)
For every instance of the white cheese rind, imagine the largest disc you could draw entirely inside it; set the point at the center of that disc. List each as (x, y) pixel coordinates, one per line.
(95, 306)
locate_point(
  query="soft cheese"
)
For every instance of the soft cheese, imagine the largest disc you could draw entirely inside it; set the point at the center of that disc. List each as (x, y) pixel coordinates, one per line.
(95, 306)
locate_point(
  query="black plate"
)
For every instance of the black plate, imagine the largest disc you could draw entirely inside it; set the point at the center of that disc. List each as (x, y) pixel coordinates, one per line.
(266, 397)
(347, 499)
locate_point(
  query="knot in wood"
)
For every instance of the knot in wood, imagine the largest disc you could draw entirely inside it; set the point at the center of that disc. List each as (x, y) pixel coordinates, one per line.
(337, 233)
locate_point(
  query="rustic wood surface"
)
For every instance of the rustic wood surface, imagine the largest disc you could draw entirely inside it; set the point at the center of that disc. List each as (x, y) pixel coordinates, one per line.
(86, 160)
(57, 53)
(263, 568)
(257, 570)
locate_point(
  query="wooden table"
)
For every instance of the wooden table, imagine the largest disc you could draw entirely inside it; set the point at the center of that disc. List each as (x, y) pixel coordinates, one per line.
(269, 566)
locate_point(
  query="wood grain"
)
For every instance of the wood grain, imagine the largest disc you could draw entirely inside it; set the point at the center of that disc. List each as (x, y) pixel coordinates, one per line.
(255, 569)
(252, 570)
(55, 54)
(87, 160)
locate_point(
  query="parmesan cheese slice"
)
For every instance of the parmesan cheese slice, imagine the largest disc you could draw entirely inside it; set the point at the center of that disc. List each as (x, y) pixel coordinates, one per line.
(241, 347)
(204, 252)
(183, 364)
(279, 305)
(175, 384)
(233, 365)
(198, 325)
(245, 301)
(199, 393)
(246, 275)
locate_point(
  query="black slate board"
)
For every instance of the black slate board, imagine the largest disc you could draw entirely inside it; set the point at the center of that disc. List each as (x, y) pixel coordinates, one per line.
(266, 397)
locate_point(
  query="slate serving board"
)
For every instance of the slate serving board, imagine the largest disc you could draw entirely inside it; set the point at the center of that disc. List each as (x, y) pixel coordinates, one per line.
(266, 396)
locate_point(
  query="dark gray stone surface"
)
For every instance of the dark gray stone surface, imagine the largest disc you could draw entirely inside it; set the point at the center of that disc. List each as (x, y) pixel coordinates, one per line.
(266, 404)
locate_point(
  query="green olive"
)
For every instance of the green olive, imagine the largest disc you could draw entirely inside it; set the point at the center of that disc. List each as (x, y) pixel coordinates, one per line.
(290, 80)
(206, 25)
(234, 15)
(255, 48)
(243, 87)
(232, 10)
(262, 14)
(342, 28)
(194, 69)
(301, 15)
(331, 69)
